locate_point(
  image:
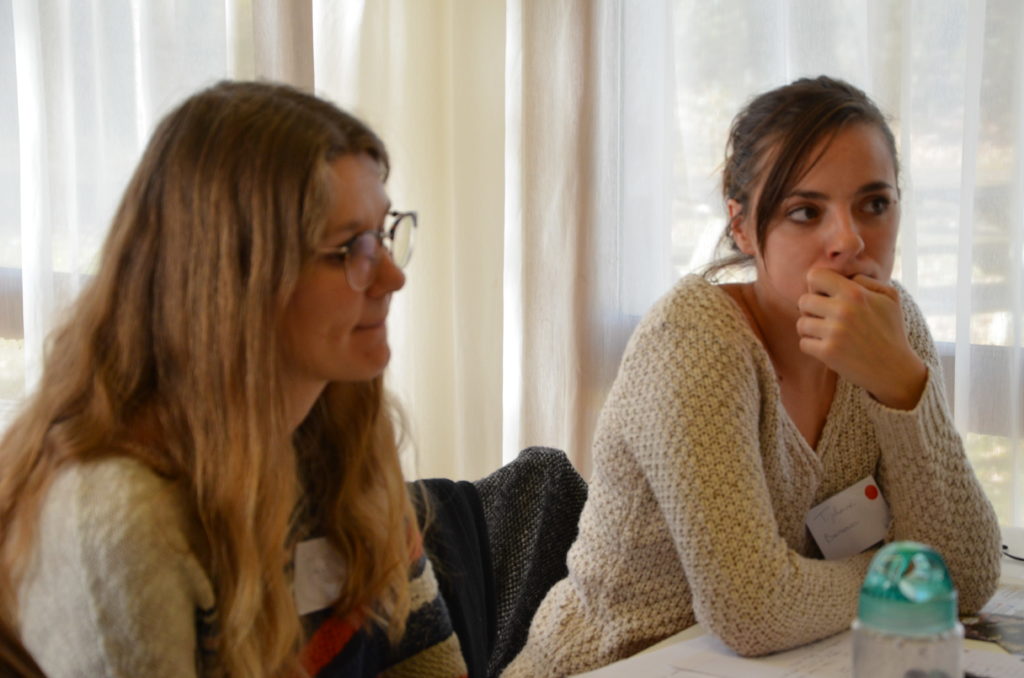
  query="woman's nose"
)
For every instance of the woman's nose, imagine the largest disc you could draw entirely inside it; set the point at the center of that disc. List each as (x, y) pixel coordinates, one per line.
(844, 239)
(388, 278)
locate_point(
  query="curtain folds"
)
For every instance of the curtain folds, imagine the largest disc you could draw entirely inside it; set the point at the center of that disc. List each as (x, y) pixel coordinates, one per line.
(83, 85)
(563, 157)
(554, 111)
(588, 150)
(429, 78)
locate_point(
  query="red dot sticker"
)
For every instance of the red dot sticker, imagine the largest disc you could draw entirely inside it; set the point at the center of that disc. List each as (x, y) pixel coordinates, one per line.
(871, 492)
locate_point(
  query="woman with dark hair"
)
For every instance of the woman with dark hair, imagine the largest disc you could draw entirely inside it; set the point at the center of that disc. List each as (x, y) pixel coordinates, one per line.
(740, 407)
(210, 447)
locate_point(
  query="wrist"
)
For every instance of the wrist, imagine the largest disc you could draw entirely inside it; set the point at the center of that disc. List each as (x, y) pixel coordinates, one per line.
(903, 391)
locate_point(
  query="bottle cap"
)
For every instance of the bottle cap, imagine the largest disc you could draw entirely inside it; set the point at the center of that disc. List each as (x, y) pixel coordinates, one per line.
(908, 591)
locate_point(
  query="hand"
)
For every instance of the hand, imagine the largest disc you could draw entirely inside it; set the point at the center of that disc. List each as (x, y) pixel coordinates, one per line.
(855, 327)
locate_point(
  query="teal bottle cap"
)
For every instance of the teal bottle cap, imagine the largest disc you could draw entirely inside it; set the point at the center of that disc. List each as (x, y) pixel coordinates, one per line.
(908, 591)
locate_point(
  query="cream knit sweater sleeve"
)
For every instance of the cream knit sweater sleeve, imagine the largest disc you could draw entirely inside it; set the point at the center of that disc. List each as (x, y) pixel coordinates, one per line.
(933, 493)
(114, 589)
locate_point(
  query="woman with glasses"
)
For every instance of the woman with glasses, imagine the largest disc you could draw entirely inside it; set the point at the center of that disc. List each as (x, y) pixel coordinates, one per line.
(757, 424)
(206, 480)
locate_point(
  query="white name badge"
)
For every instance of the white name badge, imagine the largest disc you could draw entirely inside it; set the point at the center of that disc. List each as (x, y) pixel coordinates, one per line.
(850, 521)
(318, 573)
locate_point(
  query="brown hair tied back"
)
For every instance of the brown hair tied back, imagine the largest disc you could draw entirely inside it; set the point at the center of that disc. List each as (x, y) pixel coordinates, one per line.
(771, 141)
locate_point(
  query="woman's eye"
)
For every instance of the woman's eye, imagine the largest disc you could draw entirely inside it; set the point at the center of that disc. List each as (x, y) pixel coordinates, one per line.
(365, 244)
(803, 214)
(336, 256)
(878, 205)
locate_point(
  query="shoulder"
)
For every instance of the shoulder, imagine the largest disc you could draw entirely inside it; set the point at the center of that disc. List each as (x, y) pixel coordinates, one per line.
(113, 480)
(114, 580)
(693, 315)
(116, 517)
(692, 346)
(693, 298)
(108, 501)
(693, 303)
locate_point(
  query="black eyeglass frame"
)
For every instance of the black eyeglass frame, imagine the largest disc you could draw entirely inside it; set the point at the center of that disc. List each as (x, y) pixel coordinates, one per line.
(385, 239)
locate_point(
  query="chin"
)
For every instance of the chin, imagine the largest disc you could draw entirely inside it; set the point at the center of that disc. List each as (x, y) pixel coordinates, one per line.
(360, 377)
(374, 366)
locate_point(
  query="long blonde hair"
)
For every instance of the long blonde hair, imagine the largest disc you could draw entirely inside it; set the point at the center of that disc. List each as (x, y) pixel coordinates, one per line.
(171, 356)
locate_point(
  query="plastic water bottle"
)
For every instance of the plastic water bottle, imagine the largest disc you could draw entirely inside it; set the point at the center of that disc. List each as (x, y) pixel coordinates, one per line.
(907, 624)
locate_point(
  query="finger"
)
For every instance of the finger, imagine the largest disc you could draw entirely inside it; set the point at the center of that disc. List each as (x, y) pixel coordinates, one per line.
(877, 286)
(811, 328)
(824, 281)
(824, 347)
(814, 305)
(813, 347)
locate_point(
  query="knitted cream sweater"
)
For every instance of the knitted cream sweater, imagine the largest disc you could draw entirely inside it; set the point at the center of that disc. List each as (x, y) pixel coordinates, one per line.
(702, 482)
(116, 590)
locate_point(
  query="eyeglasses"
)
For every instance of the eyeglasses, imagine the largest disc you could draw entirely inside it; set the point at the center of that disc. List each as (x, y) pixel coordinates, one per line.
(361, 254)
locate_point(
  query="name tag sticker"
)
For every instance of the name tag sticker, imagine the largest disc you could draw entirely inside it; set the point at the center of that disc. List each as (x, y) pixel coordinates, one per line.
(318, 573)
(850, 521)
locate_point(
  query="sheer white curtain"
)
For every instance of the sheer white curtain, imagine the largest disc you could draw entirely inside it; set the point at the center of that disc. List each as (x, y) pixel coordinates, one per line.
(588, 157)
(83, 84)
(429, 77)
(563, 157)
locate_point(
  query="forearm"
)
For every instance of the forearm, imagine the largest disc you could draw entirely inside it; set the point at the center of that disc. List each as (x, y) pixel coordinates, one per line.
(783, 603)
(934, 495)
(745, 555)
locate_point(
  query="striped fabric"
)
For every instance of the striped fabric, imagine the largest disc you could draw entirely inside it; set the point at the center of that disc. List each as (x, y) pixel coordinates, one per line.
(340, 647)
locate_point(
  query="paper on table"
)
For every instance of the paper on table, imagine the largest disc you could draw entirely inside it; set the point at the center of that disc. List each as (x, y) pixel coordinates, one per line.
(1008, 600)
(707, 657)
(1001, 620)
(982, 664)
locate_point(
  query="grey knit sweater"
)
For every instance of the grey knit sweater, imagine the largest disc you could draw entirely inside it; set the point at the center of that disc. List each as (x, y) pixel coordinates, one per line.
(702, 483)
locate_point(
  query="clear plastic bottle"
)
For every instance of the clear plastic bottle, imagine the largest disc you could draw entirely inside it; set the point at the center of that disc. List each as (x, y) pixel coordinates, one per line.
(907, 624)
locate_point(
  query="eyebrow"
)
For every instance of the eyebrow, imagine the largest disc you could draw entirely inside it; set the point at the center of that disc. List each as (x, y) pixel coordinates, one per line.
(866, 188)
(354, 226)
(345, 230)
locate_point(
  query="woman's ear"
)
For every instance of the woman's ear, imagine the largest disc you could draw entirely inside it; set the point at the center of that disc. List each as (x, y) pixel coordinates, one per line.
(741, 228)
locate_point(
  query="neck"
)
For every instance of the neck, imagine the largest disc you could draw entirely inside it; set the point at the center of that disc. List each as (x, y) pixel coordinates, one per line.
(776, 328)
(300, 399)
